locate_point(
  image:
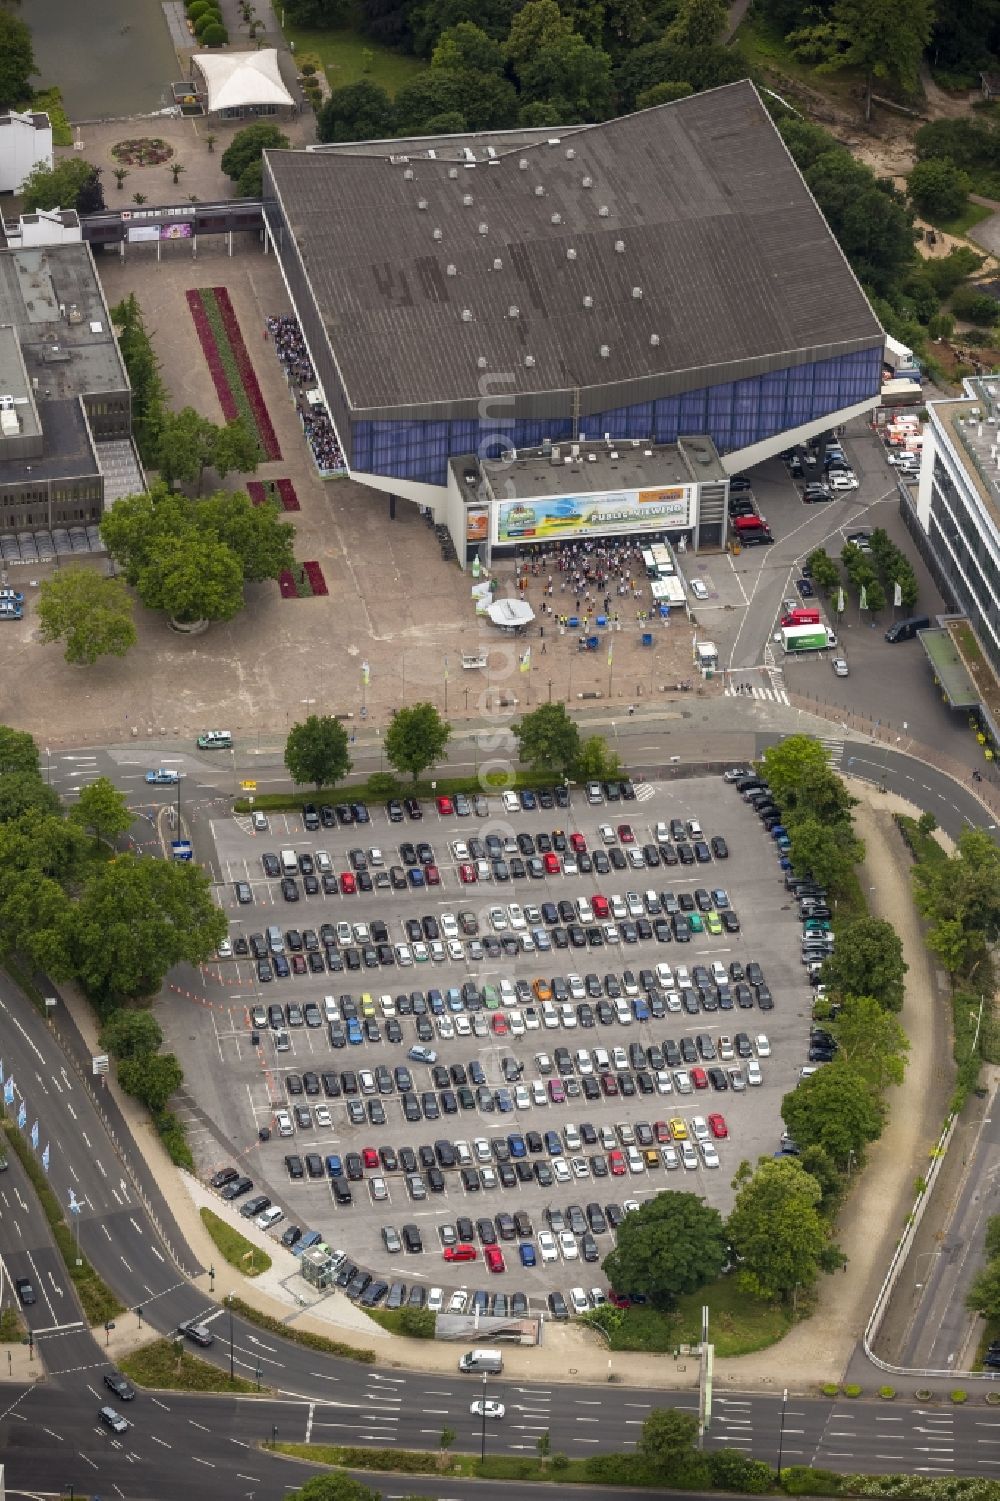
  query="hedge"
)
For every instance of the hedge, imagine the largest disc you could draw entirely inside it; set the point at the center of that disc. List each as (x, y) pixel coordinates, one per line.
(300, 1336)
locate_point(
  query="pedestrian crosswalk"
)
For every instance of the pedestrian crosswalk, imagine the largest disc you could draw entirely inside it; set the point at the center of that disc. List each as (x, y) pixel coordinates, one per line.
(834, 749)
(746, 688)
(643, 792)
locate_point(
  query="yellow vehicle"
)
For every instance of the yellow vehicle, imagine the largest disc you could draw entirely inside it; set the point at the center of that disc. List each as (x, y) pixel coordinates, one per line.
(678, 1128)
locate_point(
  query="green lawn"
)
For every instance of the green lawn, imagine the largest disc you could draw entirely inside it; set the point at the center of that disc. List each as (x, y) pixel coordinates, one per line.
(348, 56)
(737, 1323)
(971, 215)
(235, 1248)
(766, 51)
(156, 1366)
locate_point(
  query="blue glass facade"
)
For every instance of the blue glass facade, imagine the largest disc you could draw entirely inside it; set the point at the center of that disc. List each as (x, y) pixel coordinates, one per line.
(734, 416)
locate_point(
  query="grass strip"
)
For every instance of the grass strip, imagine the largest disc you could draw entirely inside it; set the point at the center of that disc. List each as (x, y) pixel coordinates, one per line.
(616, 1469)
(234, 1247)
(300, 1336)
(740, 1324)
(11, 1329)
(159, 1366)
(385, 788)
(96, 1298)
(411, 1323)
(51, 101)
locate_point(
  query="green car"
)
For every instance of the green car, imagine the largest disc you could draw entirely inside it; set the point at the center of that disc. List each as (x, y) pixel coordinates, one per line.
(695, 923)
(491, 997)
(816, 925)
(713, 922)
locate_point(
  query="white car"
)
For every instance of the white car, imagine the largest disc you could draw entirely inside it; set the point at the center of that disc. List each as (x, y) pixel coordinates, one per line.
(709, 1155)
(498, 919)
(840, 668)
(665, 976)
(580, 1166)
(633, 901)
(619, 1058)
(375, 857)
(698, 1126)
(567, 1241)
(682, 1081)
(568, 1016)
(577, 989)
(481, 1147)
(698, 589)
(269, 1217)
(531, 1021)
(547, 1248)
(584, 1067)
(843, 479)
(669, 1157)
(225, 949)
(386, 1002)
(463, 1026)
(631, 1206)
(539, 1093)
(435, 1299)
(445, 1028)
(578, 1300)
(664, 1083)
(763, 1045)
(448, 924)
(378, 1190)
(322, 1114)
(689, 1156)
(404, 955)
(517, 918)
(550, 1016)
(618, 908)
(683, 977)
(487, 1407)
(323, 862)
(456, 951)
(754, 1074)
(489, 1176)
(516, 1023)
(457, 1302)
(283, 1123)
(511, 802)
(421, 953)
(345, 933)
(508, 995)
(636, 1162)
(522, 1097)
(611, 933)
(560, 1170)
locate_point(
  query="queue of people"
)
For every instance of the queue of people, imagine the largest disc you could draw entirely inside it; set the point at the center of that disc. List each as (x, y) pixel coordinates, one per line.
(286, 336)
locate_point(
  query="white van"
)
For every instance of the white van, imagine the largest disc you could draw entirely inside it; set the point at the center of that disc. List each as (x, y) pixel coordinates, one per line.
(331, 1008)
(289, 863)
(215, 740)
(483, 1361)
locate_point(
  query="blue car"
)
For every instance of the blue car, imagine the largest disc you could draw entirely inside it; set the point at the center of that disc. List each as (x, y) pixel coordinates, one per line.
(334, 1166)
(415, 876)
(526, 1251)
(504, 1101)
(354, 1036)
(311, 1238)
(640, 1009)
(162, 777)
(516, 1146)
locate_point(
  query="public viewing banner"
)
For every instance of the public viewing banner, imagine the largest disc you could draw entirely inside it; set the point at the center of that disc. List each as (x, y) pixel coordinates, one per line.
(143, 232)
(180, 231)
(667, 509)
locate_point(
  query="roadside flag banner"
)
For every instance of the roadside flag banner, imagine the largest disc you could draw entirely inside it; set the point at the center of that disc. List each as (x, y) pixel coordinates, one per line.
(366, 674)
(446, 669)
(611, 651)
(22, 1116)
(897, 595)
(840, 600)
(8, 1091)
(526, 660)
(45, 1157)
(1, 1070)
(34, 1136)
(863, 601)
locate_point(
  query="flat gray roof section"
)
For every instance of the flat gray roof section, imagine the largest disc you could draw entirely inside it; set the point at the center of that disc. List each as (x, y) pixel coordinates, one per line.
(68, 451)
(949, 669)
(688, 227)
(594, 469)
(14, 382)
(69, 358)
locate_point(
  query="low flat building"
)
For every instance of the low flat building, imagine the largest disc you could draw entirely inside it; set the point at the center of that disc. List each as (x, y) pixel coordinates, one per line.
(25, 143)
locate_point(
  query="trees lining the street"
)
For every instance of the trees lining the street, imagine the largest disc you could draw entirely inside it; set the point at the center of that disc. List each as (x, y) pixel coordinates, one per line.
(777, 1229)
(102, 810)
(90, 613)
(868, 961)
(316, 751)
(416, 739)
(674, 1244)
(548, 741)
(960, 897)
(836, 1109)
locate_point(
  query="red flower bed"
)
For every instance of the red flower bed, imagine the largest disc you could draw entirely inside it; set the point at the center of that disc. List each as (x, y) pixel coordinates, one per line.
(227, 401)
(286, 583)
(256, 492)
(314, 574)
(247, 374)
(289, 499)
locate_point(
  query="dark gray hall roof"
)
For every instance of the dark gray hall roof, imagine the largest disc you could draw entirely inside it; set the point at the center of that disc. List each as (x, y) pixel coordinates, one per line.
(688, 226)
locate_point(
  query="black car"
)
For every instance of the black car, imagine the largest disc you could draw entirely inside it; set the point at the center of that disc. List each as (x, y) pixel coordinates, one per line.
(223, 1176)
(271, 865)
(557, 1306)
(237, 1188)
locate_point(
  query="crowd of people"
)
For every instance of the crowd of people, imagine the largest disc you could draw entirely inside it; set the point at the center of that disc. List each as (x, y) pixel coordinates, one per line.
(290, 347)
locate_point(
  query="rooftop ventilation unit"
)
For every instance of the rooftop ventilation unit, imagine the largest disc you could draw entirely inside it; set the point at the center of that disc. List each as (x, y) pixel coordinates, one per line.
(605, 351)
(513, 311)
(523, 164)
(491, 153)
(557, 218)
(588, 301)
(529, 360)
(570, 153)
(408, 175)
(591, 458)
(422, 204)
(647, 453)
(654, 339)
(470, 155)
(571, 254)
(603, 211)
(467, 199)
(637, 294)
(555, 455)
(466, 315)
(438, 235)
(620, 247)
(498, 264)
(588, 182)
(614, 453)
(484, 228)
(481, 362)
(553, 140)
(453, 172)
(451, 269)
(431, 155)
(539, 191)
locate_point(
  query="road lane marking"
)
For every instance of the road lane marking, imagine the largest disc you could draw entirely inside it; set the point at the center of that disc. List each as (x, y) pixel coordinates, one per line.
(161, 1441)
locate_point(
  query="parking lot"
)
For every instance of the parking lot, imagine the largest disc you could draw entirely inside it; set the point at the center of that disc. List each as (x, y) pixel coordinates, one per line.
(538, 1090)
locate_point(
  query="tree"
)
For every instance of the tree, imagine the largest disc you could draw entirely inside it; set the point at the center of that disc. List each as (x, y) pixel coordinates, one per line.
(799, 774)
(148, 392)
(428, 94)
(416, 738)
(776, 1228)
(834, 1109)
(466, 48)
(316, 751)
(668, 1436)
(135, 919)
(826, 851)
(698, 23)
(93, 615)
(448, 1437)
(983, 1296)
(18, 751)
(17, 61)
(192, 578)
(568, 74)
(250, 183)
(359, 111)
(248, 145)
(885, 38)
(597, 762)
(58, 186)
(938, 189)
(871, 1040)
(333, 1487)
(102, 808)
(547, 741)
(960, 897)
(825, 572)
(662, 93)
(875, 596)
(674, 1244)
(318, 15)
(234, 448)
(256, 535)
(868, 961)
(151, 1077)
(24, 792)
(128, 1034)
(991, 1243)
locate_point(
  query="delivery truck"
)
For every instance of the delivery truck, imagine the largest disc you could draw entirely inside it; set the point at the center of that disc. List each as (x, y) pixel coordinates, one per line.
(799, 638)
(801, 616)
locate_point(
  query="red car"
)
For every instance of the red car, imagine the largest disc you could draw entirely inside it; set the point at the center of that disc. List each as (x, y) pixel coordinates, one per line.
(625, 833)
(609, 1084)
(618, 1300)
(552, 866)
(298, 964)
(445, 805)
(493, 1257)
(369, 1157)
(661, 1131)
(578, 843)
(348, 885)
(699, 1078)
(461, 1252)
(717, 1126)
(467, 874)
(616, 1162)
(600, 905)
(557, 1092)
(499, 1024)
(432, 875)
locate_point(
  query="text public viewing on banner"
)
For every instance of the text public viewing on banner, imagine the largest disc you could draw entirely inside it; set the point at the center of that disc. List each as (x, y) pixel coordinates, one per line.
(666, 509)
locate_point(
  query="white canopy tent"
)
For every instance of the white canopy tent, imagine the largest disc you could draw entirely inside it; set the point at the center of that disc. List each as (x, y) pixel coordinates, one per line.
(511, 614)
(240, 80)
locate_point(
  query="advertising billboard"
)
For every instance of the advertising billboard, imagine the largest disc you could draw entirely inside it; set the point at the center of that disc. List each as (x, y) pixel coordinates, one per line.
(137, 232)
(181, 231)
(615, 512)
(477, 525)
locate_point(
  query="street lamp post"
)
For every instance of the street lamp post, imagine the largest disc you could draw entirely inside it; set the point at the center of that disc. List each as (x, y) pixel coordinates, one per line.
(274, 1436)
(482, 1407)
(211, 1275)
(138, 1311)
(781, 1431)
(258, 1375)
(229, 1305)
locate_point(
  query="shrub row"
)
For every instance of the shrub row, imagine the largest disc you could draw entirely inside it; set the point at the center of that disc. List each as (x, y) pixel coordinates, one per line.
(301, 1336)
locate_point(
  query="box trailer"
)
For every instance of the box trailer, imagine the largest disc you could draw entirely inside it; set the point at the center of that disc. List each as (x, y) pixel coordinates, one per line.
(801, 616)
(798, 638)
(900, 393)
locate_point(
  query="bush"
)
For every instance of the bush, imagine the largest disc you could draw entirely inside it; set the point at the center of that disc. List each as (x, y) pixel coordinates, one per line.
(234, 1247)
(732, 1471)
(210, 16)
(196, 8)
(301, 1336)
(171, 1133)
(852, 1391)
(938, 188)
(215, 35)
(958, 1396)
(559, 1462)
(974, 307)
(800, 1480)
(831, 1389)
(887, 1393)
(617, 1469)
